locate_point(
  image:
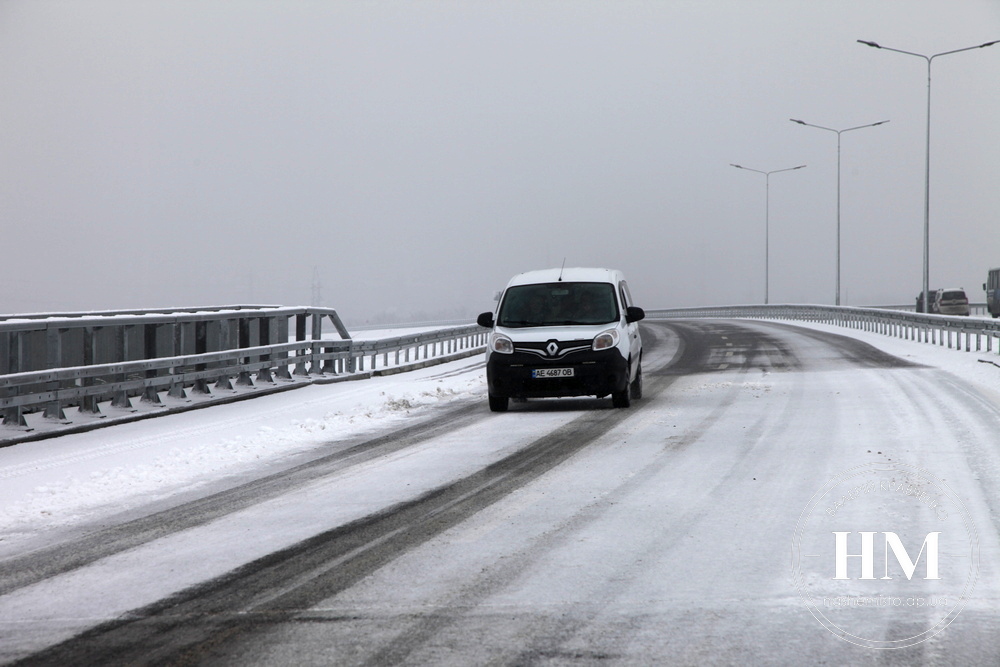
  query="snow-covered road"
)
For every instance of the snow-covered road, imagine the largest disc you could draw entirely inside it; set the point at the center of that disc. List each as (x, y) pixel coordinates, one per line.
(398, 520)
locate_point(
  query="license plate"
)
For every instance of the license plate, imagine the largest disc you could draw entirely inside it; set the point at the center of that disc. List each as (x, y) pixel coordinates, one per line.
(552, 373)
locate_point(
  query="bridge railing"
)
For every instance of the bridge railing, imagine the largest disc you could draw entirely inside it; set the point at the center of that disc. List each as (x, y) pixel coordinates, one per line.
(53, 361)
(946, 330)
(401, 350)
(975, 309)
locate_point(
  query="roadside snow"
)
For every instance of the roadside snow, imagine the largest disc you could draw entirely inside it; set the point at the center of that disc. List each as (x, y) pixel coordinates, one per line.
(72, 478)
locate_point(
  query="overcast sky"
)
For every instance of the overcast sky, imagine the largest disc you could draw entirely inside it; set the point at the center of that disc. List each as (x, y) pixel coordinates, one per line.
(407, 158)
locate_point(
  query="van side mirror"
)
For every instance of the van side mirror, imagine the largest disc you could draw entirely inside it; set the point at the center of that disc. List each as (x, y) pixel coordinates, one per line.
(634, 314)
(485, 320)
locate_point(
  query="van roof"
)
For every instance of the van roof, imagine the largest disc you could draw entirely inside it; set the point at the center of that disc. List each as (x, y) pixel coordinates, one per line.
(574, 274)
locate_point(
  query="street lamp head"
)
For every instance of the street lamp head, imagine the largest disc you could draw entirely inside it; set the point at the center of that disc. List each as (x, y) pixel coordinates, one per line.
(872, 44)
(795, 120)
(989, 44)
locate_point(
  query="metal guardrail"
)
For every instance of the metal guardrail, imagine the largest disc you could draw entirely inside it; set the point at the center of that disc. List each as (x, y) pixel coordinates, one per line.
(52, 361)
(118, 313)
(422, 345)
(927, 328)
(975, 309)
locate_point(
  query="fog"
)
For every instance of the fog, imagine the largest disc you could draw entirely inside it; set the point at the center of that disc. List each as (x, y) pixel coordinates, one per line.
(399, 161)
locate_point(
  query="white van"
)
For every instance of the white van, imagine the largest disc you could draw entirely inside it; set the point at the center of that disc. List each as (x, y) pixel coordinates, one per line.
(564, 332)
(951, 301)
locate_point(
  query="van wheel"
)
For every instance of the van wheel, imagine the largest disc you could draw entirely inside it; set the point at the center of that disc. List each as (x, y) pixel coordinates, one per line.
(498, 403)
(623, 398)
(637, 383)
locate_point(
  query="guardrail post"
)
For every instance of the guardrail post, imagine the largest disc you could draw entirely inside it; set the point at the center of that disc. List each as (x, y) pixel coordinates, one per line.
(225, 342)
(53, 359)
(89, 404)
(149, 394)
(264, 327)
(201, 347)
(122, 337)
(243, 340)
(317, 335)
(178, 339)
(13, 352)
(300, 337)
(281, 369)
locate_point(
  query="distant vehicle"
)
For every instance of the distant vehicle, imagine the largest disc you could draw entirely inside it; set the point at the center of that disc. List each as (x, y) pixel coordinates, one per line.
(920, 302)
(564, 332)
(951, 301)
(992, 287)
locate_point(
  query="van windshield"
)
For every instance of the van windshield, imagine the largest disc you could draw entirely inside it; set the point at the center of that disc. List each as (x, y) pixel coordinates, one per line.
(555, 304)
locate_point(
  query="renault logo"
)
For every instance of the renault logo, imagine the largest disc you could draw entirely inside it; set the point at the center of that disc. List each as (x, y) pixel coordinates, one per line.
(552, 348)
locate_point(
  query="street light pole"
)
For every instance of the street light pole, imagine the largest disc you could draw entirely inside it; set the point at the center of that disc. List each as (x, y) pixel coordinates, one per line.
(927, 158)
(767, 216)
(839, 132)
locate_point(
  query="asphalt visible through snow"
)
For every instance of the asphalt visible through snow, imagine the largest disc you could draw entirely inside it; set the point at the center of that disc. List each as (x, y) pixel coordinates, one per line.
(693, 528)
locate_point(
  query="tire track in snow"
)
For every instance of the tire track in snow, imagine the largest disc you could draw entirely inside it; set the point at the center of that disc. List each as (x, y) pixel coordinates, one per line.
(46, 562)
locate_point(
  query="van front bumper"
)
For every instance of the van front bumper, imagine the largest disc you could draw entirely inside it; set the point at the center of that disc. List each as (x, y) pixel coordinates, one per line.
(594, 374)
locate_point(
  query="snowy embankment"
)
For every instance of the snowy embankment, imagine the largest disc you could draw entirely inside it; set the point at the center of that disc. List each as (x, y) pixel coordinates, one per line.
(79, 478)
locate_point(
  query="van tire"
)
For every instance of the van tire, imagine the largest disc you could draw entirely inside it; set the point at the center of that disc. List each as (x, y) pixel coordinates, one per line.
(637, 383)
(498, 403)
(623, 398)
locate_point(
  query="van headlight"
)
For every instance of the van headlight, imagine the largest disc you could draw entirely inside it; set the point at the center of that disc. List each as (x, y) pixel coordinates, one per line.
(606, 340)
(501, 344)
